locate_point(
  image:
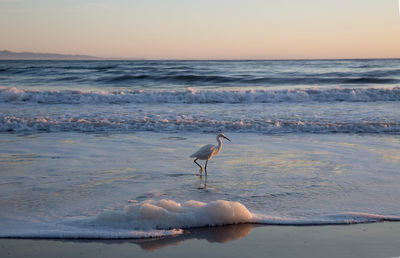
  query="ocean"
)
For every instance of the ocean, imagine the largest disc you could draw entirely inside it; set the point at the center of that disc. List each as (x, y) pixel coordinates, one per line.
(100, 149)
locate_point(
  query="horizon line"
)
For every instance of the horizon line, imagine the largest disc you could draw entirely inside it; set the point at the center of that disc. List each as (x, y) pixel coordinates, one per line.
(87, 57)
(194, 59)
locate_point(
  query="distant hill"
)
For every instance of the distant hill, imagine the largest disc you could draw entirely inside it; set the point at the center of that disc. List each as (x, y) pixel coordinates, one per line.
(9, 55)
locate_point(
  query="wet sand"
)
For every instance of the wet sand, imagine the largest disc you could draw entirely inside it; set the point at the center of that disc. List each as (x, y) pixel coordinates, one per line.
(362, 240)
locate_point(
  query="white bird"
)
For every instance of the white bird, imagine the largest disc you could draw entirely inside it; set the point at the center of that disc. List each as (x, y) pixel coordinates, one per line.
(208, 151)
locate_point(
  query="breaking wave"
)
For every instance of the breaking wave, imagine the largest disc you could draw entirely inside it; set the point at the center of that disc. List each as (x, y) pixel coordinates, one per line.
(94, 123)
(188, 96)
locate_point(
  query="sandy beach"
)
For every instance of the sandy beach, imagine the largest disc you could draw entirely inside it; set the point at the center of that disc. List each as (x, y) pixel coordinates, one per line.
(362, 240)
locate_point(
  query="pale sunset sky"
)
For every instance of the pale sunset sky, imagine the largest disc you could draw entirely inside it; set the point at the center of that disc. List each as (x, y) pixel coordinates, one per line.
(203, 29)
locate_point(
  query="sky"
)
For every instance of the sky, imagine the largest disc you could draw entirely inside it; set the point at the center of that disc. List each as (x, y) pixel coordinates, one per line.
(203, 29)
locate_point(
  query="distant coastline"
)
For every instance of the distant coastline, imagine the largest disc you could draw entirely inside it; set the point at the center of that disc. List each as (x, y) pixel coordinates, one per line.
(10, 55)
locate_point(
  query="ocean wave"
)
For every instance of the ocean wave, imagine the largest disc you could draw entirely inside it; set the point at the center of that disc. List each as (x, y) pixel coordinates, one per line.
(241, 80)
(195, 76)
(120, 124)
(189, 96)
(241, 73)
(168, 217)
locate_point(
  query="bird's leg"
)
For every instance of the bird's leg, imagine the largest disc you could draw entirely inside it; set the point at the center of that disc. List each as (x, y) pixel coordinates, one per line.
(205, 167)
(201, 169)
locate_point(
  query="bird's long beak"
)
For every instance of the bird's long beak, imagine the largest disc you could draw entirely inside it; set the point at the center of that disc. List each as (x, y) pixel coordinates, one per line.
(226, 138)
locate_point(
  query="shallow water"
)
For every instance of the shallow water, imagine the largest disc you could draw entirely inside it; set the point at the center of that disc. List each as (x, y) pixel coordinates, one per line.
(59, 181)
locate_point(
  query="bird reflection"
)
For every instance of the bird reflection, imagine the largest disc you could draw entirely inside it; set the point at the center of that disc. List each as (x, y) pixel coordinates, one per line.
(203, 184)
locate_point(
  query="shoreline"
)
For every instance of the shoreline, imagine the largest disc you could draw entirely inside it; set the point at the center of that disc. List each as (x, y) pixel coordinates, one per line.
(357, 240)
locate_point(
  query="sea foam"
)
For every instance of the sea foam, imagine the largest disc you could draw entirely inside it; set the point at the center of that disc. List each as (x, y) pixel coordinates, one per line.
(151, 219)
(188, 96)
(169, 214)
(174, 122)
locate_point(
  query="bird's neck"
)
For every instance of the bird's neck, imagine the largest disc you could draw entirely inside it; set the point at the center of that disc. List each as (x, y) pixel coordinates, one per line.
(219, 147)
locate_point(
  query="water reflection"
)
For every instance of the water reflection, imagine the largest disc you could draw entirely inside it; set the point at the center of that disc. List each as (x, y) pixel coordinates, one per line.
(220, 235)
(203, 184)
(211, 234)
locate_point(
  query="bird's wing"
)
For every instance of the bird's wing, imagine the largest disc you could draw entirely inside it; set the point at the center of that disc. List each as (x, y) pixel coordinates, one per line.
(204, 151)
